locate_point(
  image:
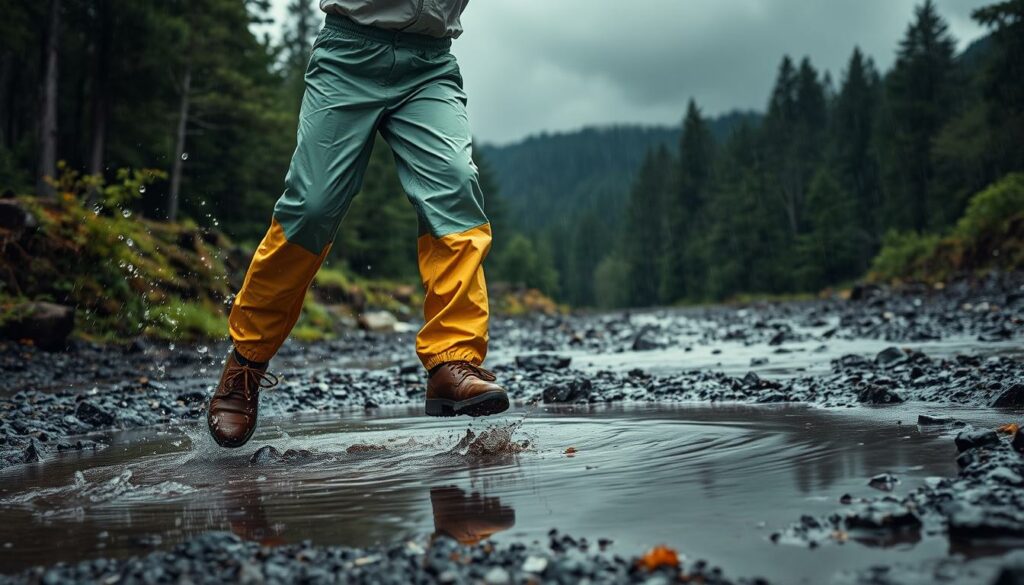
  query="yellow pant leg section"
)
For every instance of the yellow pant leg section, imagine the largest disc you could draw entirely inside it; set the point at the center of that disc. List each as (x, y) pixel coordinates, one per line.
(455, 304)
(270, 301)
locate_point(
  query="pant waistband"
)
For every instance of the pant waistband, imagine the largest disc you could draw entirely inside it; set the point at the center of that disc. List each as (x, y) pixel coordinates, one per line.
(344, 24)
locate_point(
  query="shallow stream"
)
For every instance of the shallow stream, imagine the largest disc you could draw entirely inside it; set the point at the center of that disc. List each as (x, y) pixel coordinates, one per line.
(711, 481)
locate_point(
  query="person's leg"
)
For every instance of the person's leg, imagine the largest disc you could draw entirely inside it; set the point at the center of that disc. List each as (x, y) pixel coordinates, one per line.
(341, 108)
(429, 134)
(338, 120)
(428, 130)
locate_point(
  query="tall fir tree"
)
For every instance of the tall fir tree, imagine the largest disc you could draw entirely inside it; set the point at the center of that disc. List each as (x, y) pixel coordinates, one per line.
(684, 207)
(644, 237)
(919, 101)
(853, 153)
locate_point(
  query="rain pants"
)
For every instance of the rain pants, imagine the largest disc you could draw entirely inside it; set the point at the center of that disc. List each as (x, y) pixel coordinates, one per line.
(360, 81)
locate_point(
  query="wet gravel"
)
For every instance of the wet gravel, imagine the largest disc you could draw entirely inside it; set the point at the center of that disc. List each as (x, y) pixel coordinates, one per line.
(57, 402)
(225, 558)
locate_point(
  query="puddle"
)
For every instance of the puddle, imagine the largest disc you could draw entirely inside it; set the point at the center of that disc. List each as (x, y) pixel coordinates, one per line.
(793, 358)
(711, 481)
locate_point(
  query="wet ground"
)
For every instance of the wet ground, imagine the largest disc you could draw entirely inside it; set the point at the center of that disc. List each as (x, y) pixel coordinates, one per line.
(714, 481)
(778, 441)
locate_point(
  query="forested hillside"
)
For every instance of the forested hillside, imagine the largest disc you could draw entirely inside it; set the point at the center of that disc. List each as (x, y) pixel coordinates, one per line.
(548, 176)
(202, 118)
(801, 200)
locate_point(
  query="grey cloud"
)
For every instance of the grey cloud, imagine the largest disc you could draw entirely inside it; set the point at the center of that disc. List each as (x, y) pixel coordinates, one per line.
(534, 65)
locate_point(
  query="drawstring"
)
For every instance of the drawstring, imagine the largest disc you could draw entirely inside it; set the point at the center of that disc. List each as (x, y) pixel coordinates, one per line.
(261, 378)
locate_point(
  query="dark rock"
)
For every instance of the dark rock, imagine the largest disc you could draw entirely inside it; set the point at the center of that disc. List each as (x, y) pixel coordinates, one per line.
(972, 439)
(645, 340)
(972, 522)
(194, 397)
(1013, 397)
(873, 394)
(571, 391)
(881, 516)
(928, 420)
(890, 356)
(758, 361)
(93, 415)
(1018, 441)
(854, 361)
(47, 325)
(31, 453)
(885, 482)
(543, 361)
(1010, 576)
(265, 454)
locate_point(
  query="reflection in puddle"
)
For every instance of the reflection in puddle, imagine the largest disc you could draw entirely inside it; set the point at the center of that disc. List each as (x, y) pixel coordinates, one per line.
(468, 518)
(711, 481)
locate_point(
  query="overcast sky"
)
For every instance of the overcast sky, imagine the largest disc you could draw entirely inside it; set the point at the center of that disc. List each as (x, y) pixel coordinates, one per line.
(536, 65)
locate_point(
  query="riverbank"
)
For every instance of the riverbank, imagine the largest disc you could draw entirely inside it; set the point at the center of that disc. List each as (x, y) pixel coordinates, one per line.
(66, 402)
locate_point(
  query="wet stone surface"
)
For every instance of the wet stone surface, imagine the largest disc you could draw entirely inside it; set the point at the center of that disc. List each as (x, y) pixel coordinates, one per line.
(949, 360)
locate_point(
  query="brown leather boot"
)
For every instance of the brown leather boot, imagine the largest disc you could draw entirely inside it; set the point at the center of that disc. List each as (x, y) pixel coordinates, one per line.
(233, 408)
(468, 518)
(462, 388)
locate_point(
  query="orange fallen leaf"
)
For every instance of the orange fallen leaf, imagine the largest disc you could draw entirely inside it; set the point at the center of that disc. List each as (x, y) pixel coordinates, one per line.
(570, 451)
(1009, 428)
(657, 557)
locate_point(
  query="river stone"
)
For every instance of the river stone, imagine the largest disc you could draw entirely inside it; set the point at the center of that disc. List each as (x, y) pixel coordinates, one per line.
(571, 391)
(543, 361)
(378, 321)
(928, 420)
(1013, 397)
(93, 415)
(878, 395)
(885, 482)
(968, 522)
(1018, 441)
(972, 439)
(881, 516)
(645, 340)
(890, 356)
(31, 452)
(47, 325)
(265, 454)
(497, 576)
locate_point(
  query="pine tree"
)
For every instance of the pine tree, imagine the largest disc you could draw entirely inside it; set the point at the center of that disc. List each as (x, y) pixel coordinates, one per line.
(684, 207)
(1004, 83)
(853, 152)
(828, 252)
(645, 227)
(919, 94)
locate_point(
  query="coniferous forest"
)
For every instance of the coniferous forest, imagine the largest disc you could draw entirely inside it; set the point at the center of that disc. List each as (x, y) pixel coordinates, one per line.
(185, 99)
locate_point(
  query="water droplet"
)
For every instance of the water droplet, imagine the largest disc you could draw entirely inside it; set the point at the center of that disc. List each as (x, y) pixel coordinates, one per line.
(142, 188)
(184, 156)
(130, 242)
(171, 347)
(202, 349)
(126, 212)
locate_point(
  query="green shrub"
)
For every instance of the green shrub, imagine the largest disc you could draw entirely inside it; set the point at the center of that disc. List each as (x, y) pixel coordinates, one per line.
(990, 235)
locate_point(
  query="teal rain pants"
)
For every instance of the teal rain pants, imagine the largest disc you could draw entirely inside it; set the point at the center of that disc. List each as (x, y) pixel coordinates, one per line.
(361, 81)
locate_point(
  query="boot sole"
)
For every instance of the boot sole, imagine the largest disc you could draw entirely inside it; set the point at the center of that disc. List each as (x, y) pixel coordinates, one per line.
(226, 443)
(483, 405)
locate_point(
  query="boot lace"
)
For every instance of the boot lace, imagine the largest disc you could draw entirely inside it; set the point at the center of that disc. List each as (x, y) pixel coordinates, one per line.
(468, 369)
(253, 379)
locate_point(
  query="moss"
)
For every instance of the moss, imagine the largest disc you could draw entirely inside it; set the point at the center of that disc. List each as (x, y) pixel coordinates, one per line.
(990, 235)
(178, 319)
